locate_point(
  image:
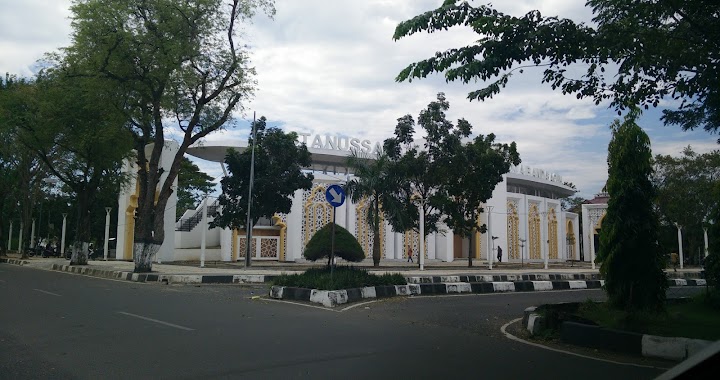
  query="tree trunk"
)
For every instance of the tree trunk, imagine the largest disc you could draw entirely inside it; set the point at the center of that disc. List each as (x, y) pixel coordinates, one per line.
(82, 226)
(471, 249)
(79, 253)
(143, 254)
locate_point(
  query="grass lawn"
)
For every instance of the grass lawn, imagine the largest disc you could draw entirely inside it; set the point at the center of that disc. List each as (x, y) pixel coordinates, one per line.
(692, 319)
(344, 277)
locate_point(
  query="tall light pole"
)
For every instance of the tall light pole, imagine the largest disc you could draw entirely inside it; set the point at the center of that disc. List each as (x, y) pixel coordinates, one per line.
(32, 234)
(203, 232)
(62, 239)
(522, 252)
(20, 237)
(107, 232)
(248, 227)
(706, 240)
(489, 234)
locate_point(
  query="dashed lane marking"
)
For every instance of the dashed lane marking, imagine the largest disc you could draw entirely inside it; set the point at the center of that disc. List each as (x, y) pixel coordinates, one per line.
(156, 321)
(46, 292)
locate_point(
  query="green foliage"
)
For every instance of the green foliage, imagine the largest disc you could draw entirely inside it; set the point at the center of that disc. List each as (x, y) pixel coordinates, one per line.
(453, 176)
(192, 186)
(370, 180)
(346, 246)
(712, 270)
(178, 66)
(632, 263)
(636, 53)
(344, 277)
(279, 165)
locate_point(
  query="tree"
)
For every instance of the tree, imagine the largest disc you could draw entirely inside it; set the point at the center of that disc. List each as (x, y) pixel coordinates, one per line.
(632, 263)
(193, 185)
(686, 186)
(178, 63)
(346, 245)
(370, 180)
(639, 53)
(279, 165)
(473, 169)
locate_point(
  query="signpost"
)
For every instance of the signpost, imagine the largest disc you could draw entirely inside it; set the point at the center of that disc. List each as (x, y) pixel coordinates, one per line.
(335, 195)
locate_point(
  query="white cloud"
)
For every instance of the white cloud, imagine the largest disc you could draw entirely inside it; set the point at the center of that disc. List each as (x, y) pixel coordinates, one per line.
(329, 67)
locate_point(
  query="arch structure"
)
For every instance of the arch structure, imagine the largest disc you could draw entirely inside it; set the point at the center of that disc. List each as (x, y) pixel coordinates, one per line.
(523, 217)
(592, 216)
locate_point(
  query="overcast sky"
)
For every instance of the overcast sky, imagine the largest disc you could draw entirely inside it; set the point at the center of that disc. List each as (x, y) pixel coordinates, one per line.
(328, 67)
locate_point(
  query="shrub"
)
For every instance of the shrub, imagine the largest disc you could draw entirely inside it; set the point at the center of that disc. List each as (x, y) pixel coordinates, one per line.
(343, 278)
(346, 246)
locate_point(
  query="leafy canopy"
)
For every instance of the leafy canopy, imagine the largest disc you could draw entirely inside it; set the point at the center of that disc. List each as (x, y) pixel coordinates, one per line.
(193, 184)
(279, 165)
(638, 53)
(346, 245)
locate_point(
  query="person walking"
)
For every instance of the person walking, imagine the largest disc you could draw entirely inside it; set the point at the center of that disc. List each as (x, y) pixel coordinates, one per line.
(410, 255)
(499, 255)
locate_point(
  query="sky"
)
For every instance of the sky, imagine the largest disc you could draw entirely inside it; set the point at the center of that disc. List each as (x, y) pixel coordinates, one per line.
(329, 67)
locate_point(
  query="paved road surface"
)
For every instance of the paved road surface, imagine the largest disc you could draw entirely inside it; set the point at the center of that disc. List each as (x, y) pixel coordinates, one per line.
(62, 326)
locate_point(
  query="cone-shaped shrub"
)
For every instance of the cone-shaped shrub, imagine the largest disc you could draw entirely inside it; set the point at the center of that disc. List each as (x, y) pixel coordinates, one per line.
(346, 246)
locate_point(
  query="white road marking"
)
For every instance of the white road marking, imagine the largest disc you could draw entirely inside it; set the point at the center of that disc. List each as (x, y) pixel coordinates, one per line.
(46, 292)
(513, 337)
(359, 304)
(301, 304)
(157, 321)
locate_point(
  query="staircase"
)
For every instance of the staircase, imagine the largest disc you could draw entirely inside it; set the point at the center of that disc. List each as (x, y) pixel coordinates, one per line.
(190, 223)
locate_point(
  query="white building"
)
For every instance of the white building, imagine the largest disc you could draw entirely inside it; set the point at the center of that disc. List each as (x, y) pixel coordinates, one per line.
(525, 218)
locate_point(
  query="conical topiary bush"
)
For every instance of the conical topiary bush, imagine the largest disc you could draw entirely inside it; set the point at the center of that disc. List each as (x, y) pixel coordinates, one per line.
(346, 246)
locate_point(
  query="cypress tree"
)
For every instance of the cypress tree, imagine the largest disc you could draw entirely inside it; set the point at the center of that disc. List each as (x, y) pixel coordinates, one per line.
(632, 263)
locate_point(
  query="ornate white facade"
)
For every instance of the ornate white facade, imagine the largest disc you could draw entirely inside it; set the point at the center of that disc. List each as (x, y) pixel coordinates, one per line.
(524, 218)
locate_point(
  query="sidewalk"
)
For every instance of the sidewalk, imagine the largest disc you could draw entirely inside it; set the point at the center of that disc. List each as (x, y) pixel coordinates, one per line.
(226, 270)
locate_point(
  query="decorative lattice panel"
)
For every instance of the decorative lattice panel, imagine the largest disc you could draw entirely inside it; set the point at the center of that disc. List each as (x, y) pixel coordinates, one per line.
(242, 246)
(534, 235)
(552, 234)
(570, 240)
(596, 215)
(316, 212)
(411, 243)
(269, 247)
(364, 231)
(513, 230)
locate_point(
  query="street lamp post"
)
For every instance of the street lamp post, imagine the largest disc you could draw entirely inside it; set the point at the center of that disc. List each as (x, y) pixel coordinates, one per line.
(62, 239)
(248, 227)
(203, 233)
(20, 237)
(489, 232)
(32, 234)
(706, 240)
(522, 252)
(680, 248)
(107, 232)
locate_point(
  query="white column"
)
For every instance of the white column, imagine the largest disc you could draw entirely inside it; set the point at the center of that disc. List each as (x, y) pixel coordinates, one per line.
(680, 251)
(706, 240)
(32, 234)
(544, 237)
(107, 232)
(62, 239)
(592, 247)
(203, 233)
(10, 236)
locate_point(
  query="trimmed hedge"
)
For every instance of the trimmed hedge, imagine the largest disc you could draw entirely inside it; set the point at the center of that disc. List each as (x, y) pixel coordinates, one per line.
(346, 246)
(344, 277)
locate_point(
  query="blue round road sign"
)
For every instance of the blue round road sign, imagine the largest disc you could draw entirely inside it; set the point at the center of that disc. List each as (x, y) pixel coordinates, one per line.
(335, 195)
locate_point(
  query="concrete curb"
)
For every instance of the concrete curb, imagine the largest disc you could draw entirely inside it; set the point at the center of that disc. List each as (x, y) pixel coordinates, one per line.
(332, 298)
(13, 261)
(616, 340)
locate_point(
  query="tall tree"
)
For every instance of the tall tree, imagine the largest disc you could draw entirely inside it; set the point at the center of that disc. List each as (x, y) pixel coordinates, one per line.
(279, 166)
(370, 181)
(177, 63)
(632, 263)
(636, 53)
(473, 170)
(193, 185)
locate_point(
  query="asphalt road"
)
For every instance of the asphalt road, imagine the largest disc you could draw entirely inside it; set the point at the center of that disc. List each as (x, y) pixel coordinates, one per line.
(61, 326)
